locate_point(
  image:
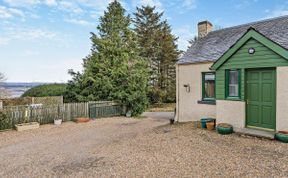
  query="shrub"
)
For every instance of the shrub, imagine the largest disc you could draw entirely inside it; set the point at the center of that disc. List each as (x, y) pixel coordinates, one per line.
(4, 123)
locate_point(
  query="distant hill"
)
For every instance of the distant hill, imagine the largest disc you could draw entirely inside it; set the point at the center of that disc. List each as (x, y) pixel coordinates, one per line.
(18, 88)
(53, 89)
(20, 84)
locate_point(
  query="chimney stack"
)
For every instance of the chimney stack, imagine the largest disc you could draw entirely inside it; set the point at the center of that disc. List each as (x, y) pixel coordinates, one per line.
(204, 28)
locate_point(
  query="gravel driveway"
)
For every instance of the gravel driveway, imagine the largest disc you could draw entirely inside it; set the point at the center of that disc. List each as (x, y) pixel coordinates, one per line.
(159, 115)
(123, 147)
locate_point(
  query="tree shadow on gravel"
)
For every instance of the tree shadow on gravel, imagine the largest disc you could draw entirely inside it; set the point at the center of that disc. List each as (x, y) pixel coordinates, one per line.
(78, 166)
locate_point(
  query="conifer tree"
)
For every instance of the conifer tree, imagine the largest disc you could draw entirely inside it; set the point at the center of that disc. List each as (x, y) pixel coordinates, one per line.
(147, 27)
(114, 70)
(160, 50)
(168, 58)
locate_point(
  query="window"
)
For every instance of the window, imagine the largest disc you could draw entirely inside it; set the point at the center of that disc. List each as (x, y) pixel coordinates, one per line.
(208, 86)
(233, 83)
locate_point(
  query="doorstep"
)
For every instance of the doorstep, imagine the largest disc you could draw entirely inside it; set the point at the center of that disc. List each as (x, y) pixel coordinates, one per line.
(256, 133)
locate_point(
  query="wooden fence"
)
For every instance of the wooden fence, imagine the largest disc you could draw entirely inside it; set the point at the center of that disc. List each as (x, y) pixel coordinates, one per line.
(67, 112)
(49, 100)
(105, 109)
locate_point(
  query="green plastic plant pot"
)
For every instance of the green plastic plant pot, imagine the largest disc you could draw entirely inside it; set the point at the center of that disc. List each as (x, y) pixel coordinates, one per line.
(282, 137)
(224, 129)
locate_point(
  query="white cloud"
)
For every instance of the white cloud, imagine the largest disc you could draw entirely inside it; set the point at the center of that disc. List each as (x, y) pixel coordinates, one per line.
(32, 34)
(189, 4)
(11, 34)
(51, 2)
(70, 7)
(30, 52)
(21, 3)
(81, 6)
(99, 4)
(4, 41)
(93, 8)
(277, 13)
(182, 6)
(185, 34)
(6, 13)
(243, 4)
(65, 5)
(79, 22)
(29, 3)
(17, 12)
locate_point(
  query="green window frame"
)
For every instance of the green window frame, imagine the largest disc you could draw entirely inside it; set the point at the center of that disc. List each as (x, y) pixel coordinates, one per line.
(208, 86)
(233, 87)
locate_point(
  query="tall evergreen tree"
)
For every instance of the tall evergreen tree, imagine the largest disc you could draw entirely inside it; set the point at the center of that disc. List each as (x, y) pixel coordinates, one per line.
(147, 27)
(167, 63)
(160, 50)
(114, 70)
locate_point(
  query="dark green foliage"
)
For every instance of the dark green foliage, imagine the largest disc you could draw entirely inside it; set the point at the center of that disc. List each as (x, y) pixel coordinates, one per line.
(160, 50)
(148, 27)
(167, 59)
(4, 123)
(46, 90)
(114, 70)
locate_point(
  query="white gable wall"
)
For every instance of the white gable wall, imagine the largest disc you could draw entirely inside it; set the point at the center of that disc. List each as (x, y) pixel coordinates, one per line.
(187, 105)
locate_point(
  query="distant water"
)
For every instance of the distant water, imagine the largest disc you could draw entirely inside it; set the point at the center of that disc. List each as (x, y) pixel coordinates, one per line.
(17, 89)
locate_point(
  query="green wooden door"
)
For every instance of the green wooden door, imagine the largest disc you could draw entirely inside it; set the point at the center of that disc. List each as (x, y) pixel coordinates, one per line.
(261, 98)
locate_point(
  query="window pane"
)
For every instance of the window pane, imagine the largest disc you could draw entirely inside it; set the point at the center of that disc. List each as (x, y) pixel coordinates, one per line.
(209, 85)
(233, 90)
(209, 77)
(233, 83)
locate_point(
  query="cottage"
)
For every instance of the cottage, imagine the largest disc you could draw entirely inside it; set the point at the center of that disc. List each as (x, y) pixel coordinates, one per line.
(237, 75)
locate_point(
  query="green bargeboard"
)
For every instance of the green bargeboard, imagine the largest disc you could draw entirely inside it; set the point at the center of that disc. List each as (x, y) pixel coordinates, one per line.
(261, 98)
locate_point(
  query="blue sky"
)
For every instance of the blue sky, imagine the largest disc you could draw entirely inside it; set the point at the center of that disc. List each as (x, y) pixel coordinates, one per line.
(41, 39)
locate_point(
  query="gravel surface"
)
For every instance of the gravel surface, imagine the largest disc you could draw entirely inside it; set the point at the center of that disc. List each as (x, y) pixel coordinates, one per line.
(159, 115)
(122, 147)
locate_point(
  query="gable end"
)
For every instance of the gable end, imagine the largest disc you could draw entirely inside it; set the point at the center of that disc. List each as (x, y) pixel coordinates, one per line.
(250, 34)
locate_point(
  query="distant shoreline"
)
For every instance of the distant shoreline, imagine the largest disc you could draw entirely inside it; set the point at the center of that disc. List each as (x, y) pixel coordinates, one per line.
(19, 88)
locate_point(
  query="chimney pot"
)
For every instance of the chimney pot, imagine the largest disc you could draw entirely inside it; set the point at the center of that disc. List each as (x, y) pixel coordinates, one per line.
(204, 28)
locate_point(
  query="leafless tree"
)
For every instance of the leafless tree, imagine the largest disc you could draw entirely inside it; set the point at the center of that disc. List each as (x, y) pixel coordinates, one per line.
(4, 93)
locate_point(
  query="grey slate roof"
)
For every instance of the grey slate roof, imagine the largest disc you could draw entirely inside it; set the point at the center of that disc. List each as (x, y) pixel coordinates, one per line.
(216, 43)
